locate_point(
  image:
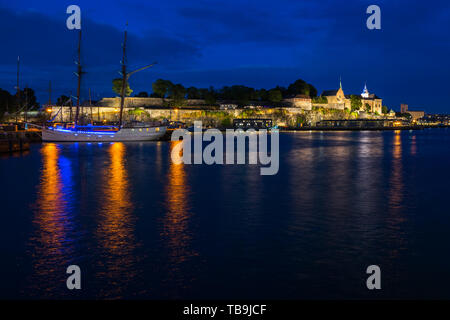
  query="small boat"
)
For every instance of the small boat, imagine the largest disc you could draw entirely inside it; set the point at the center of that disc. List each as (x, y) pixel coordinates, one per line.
(196, 128)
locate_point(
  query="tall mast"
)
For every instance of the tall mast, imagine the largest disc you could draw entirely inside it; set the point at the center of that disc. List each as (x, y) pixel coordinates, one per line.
(126, 75)
(78, 73)
(49, 93)
(124, 78)
(71, 107)
(90, 104)
(26, 103)
(18, 87)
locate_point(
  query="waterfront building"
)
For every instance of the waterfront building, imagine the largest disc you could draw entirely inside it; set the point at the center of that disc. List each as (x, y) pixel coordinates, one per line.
(403, 108)
(415, 115)
(300, 101)
(338, 100)
(371, 100)
(252, 124)
(227, 105)
(363, 124)
(365, 93)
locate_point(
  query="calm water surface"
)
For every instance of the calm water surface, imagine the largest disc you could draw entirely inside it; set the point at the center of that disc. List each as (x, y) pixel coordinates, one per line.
(142, 227)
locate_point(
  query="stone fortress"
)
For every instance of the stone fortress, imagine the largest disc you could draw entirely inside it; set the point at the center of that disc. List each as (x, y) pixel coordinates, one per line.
(336, 99)
(107, 109)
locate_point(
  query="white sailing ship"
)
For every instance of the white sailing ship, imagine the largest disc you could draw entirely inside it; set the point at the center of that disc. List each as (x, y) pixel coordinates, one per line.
(87, 134)
(91, 133)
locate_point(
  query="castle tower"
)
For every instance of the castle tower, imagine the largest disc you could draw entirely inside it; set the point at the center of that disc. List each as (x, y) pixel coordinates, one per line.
(365, 93)
(403, 108)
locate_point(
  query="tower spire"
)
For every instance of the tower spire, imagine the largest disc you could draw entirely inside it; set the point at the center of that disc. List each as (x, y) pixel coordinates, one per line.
(365, 93)
(340, 82)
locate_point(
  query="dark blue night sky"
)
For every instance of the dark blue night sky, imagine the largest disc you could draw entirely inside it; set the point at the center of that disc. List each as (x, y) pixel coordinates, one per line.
(256, 43)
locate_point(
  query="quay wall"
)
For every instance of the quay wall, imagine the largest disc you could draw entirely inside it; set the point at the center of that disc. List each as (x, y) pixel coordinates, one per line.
(288, 116)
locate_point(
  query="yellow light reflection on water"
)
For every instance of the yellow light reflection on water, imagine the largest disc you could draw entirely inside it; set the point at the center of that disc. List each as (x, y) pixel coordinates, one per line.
(175, 227)
(116, 226)
(413, 145)
(396, 178)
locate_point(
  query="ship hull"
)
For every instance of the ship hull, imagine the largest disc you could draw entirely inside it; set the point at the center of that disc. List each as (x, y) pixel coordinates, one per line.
(124, 134)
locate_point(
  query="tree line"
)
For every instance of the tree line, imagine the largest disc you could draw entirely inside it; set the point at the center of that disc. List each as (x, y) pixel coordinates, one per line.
(240, 94)
(12, 103)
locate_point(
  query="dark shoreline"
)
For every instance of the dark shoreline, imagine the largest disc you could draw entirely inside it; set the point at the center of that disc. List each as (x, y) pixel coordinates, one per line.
(356, 129)
(364, 129)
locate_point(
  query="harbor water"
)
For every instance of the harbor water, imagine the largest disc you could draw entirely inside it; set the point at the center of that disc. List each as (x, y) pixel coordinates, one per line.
(141, 227)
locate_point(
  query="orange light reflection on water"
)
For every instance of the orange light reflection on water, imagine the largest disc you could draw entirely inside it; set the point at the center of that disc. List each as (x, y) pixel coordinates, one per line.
(175, 226)
(396, 178)
(116, 226)
(52, 247)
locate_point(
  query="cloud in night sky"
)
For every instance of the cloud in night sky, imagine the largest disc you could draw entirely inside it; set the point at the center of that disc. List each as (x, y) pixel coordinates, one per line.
(255, 43)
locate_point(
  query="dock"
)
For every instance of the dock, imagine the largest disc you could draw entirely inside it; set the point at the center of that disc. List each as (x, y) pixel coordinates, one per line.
(18, 141)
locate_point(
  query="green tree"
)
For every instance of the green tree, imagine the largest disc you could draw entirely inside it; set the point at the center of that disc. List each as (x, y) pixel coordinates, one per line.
(283, 90)
(262, 95)
(320, 99)
(193, 93)
(142, 94)
(367, 107)
(6, 102)
(312, 91)
(301, 120)
(384, 109)
(275, 95)
(355, 102)
(238, 93)
(302, 87)
(226, 122)
(117, 87)
(202, 92)
(299, 87)
(210, 96)
(177, 92)
(161, 88)
(63, 100)
(136, 112)
(29, 100)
